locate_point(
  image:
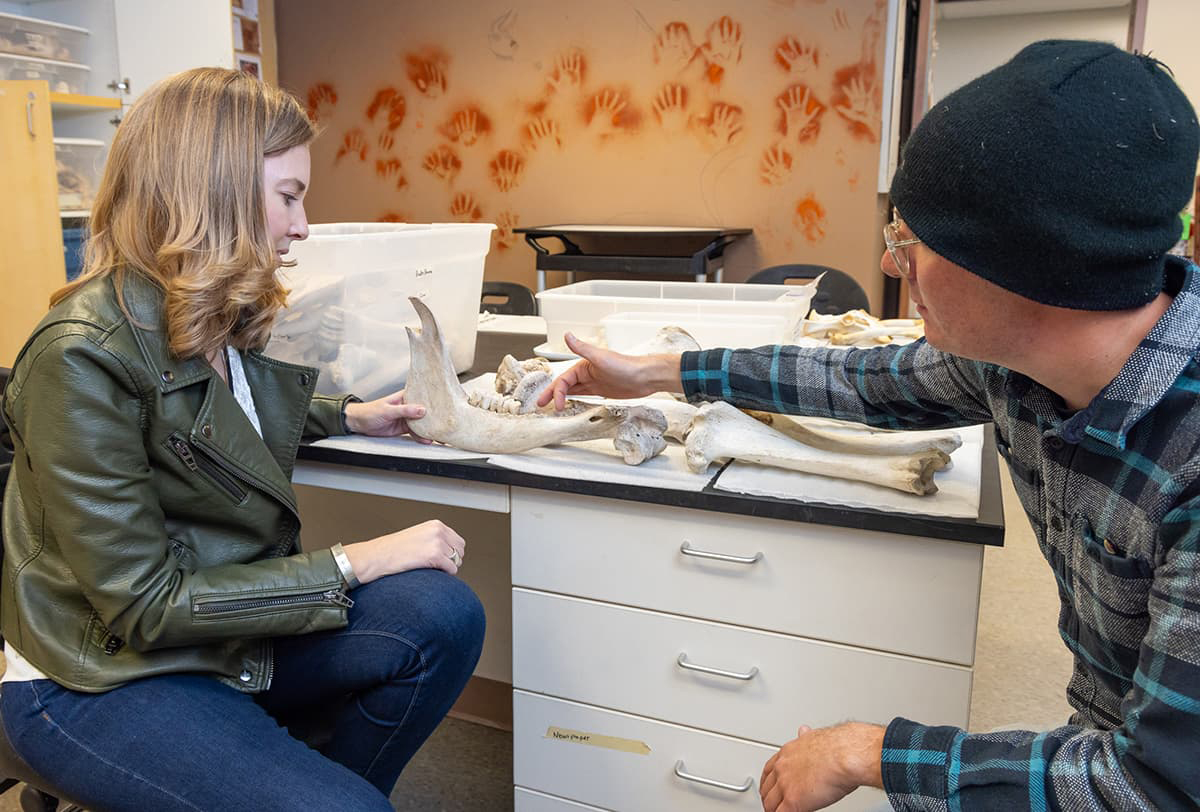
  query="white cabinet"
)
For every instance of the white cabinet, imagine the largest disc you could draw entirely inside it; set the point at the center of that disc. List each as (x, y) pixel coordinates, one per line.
(155, 38)
(133, 44)
(661, 655)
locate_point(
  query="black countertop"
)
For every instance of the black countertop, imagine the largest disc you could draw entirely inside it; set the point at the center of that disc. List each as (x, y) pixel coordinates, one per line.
(988, 528)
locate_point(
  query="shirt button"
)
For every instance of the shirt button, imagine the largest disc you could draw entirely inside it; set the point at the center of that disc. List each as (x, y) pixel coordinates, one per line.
(245, 676)
(168, 375)
(303, 378)
(206, 430)
(1056, 523)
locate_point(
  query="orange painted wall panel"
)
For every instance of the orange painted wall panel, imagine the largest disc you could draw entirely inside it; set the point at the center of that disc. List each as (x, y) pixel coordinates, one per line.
(763, 115)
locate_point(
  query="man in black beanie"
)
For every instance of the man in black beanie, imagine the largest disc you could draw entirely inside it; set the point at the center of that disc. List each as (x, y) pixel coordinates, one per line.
(1035, 207)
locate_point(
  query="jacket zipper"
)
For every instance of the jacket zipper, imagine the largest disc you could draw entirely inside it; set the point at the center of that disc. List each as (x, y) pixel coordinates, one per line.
(112, 644)
(199, 460)
(334, 596)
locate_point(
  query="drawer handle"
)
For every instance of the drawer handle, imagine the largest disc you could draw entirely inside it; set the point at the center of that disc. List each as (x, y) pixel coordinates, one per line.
(709, 782)
(682, 662)
(687, 549)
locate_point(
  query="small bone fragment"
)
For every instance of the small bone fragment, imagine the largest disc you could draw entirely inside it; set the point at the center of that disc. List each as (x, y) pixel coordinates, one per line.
(678, 413)
(451, 419)
(512, 371)
(869, 442)
(667, 339)
(859, 328)
(720, 431)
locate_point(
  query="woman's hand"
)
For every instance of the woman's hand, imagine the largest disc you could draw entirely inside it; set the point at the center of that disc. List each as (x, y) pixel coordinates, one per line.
(428, 545)
(385, 417)
(611, 374)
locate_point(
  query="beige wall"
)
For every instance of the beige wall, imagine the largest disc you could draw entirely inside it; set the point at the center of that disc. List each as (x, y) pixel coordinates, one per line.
(971, 46)
(1172, 29)
(530, 112)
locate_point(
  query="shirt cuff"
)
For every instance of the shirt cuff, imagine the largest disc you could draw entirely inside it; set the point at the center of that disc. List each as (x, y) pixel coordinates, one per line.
(914, 763)
(346, 401)
(701, 374)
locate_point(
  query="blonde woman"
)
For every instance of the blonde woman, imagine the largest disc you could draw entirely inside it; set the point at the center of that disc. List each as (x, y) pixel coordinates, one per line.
(159, 618)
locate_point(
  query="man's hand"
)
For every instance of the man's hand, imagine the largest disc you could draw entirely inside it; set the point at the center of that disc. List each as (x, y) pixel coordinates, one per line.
(386, 417)
(820, 767)
(612, 375)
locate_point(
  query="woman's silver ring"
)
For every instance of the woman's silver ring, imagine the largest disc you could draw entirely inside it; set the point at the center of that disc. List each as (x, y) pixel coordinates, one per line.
(455, 557)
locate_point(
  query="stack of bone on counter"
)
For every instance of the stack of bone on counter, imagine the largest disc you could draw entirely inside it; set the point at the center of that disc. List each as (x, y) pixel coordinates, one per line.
(509, 421)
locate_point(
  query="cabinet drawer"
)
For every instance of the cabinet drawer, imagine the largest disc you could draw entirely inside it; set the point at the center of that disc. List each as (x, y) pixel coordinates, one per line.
(602, 775)
(627, 659)
(529, 801)
(888, 592)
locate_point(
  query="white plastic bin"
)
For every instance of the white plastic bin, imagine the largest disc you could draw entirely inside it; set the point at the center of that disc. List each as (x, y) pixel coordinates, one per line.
(41, 38)
(79, 163)
(626, 332)
(349, 305)
(64, 77)
(579, 308)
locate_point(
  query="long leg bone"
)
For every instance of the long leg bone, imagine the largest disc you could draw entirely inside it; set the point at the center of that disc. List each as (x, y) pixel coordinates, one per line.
(451, 419)
(877, 442)
(720, 432)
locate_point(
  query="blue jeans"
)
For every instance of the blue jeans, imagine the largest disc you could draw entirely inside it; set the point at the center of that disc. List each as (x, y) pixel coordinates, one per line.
(189, 742)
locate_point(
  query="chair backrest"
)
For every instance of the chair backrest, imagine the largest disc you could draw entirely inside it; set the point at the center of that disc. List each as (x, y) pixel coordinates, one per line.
(508, 299)
(837, 293)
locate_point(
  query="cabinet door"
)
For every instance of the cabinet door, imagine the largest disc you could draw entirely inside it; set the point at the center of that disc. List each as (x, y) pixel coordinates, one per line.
(31, 261)
(156, 39)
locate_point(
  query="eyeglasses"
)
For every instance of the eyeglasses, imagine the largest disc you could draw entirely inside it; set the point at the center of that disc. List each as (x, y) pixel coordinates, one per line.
(891, 238)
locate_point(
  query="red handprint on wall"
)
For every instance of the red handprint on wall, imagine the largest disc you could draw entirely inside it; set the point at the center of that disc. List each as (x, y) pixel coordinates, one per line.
(354, 142)
(466, 126)
(321, 99)
(810, 219)
(443, 162)
(427, 72)
(801, 113)
(390, 102)
(464, 206)
(391, 169)
(723, 48)
(505, 169)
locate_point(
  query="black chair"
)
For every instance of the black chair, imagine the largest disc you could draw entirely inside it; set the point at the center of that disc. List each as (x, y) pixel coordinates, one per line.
(838, 291)
(13, 769)
(513, 299)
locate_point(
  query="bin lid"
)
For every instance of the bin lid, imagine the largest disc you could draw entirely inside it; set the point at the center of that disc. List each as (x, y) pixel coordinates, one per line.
(78, 142)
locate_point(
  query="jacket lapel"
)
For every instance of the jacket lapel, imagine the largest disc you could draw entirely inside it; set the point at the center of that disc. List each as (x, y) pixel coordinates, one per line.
(282, 393)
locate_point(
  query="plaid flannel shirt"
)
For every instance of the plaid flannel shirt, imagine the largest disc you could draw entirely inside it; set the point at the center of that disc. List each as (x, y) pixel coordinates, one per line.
(1113, 493)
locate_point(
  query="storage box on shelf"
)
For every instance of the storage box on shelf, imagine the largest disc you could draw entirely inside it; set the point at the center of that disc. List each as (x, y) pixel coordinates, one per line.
(579, 308)
(64, 77)
(27, 36)
(348, 306)
(73, 240)
(79, 163)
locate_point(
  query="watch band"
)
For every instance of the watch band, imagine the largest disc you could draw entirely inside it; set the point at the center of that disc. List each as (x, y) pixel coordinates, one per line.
(343, 564)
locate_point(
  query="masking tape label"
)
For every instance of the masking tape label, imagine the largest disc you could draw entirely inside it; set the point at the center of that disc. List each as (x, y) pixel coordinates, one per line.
(597, 740)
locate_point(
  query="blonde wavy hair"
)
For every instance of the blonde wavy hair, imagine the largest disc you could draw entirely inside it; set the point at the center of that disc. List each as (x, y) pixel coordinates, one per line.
(182, 203)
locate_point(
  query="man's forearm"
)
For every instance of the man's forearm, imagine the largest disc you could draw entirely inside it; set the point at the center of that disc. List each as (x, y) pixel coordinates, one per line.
(660, 373)
(861, 753)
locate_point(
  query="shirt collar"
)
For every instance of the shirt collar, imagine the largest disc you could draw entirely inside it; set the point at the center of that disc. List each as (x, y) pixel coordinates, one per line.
(1153, 367)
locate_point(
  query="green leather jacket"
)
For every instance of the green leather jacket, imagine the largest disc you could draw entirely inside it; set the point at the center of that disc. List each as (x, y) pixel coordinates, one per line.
(148, 529)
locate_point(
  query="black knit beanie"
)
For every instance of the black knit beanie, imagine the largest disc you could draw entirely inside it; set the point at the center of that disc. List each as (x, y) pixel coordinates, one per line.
(1059, 176)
